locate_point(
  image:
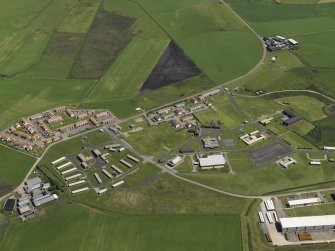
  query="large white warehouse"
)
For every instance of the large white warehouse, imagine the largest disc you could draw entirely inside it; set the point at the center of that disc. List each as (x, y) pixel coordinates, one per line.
(308, 223)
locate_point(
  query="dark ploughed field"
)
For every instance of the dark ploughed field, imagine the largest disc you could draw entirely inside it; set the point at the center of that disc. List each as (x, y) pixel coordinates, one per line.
(173, 66)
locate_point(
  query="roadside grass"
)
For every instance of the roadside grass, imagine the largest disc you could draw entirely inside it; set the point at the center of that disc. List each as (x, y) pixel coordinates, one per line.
(36, 95)
(242, 166)
(270, 178)
(75, 226)
(308, 107)
(154, 140)
(297, 142)
(14, 167)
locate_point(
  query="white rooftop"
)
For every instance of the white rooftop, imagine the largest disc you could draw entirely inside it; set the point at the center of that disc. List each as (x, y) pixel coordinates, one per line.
(212, 160)
(308, 221)
(304, 201)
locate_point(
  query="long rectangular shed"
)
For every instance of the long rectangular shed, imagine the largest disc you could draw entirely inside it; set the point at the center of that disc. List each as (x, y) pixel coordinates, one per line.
(108, 174)
(73, 176)
(76, 183)
(126, 163)
(117, 169)
(98, 178)
(304, 202)
(64, 165)
(69, 170)
(58, 160)
(80, 190)
(133, 158)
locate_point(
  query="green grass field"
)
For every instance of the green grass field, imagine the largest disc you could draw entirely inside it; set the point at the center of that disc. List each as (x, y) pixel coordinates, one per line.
(202, 29)
(270, 178)
(223, 112)
(36, 95)
(308, 107)
(154, 140)
(74, 227)
(14, 167)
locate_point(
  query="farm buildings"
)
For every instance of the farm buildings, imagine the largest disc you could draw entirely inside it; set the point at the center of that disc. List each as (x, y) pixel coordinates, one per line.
(278, 43)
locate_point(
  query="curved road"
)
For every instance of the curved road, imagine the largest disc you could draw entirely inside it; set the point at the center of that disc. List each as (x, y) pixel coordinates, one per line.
(283, 91)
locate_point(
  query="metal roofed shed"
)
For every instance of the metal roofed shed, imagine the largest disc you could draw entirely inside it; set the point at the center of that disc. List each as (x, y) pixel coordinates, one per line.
(175, 161)
(45, 200)
(308, 223)
(212, 161)
(304, 202)
(32, 184)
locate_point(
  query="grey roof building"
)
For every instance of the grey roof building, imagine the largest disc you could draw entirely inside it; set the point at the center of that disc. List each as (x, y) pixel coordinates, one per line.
(32, 184)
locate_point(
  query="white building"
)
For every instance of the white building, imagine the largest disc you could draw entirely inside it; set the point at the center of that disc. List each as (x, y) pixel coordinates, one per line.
(212, 161)
(304, 202)
(175, 161)
(308, 223)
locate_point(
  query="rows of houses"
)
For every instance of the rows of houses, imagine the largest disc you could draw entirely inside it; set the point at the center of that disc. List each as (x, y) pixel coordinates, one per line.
(180, 114)
(50, 126)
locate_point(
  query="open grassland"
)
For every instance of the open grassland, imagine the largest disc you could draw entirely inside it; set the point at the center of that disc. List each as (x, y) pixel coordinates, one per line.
(153, 140)
(301, 127)
(22, 97)
(318, 49)
(308, 107)
(205, 31)
(154, 99)
(57, 58)
(287, 73)
(296, 142)
(270, 178)
(323, 133)
(126, 76)
(73, 227)
(312, 25)
(78, 19)
(26, 34)
(256, 107)
(222, 112)
(14, 167)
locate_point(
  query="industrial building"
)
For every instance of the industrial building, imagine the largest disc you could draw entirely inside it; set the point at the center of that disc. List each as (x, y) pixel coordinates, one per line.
(212, 161)
(291, 117)
(308, 223)
(175, 161)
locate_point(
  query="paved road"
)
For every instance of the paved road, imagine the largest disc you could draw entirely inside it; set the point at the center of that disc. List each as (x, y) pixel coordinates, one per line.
(284, 91)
